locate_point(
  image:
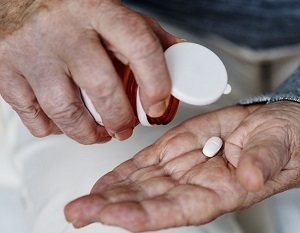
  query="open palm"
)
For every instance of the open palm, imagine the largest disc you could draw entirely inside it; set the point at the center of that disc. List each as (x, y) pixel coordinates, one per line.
(171, 183)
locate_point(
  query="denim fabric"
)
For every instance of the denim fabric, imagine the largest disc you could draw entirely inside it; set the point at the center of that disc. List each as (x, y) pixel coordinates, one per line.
(258, 24)
(288, 90)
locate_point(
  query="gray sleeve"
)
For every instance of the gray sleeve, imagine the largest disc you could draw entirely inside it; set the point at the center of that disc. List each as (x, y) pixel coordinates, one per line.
(288, 90)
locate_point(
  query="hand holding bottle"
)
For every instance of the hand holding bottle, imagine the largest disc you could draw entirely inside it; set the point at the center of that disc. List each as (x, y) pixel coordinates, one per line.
(48, 49)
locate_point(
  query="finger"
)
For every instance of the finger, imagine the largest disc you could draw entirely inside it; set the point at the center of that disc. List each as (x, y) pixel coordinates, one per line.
(133, 37)
(126, 173)
(17, 92)
(126, 191)
(181, 165)
(175, 168)
(183, 203)
(238, 131)
(93, 71)
(164, 150)
(115, 176)
(166, 39)
(137, 191)
(175, 142)
(77, 209)
(62, 103)
(262, 157)
(154, 185)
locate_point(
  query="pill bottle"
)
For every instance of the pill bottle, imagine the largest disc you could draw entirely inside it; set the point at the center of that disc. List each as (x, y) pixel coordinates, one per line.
(198, 78)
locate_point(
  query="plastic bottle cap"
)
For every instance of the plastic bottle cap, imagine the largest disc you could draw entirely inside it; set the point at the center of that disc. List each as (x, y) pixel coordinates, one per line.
(198, 75)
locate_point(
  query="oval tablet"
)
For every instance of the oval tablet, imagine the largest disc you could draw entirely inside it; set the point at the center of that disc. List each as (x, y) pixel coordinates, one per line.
(212, 146)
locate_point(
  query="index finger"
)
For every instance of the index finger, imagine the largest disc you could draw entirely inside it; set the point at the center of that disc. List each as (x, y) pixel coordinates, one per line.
(135, 40)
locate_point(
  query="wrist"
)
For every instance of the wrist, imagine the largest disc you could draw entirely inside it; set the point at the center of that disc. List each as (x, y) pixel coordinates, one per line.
(13, 13)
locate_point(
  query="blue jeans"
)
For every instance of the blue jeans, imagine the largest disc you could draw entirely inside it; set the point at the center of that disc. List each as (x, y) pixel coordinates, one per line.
(258, 24)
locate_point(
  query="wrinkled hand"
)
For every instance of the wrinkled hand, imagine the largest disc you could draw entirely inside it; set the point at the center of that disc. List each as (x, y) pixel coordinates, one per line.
(171, 183)
(60, 45)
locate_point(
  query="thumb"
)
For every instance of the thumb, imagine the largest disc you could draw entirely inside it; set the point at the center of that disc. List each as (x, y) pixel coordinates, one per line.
(133, 38)
(260, 158)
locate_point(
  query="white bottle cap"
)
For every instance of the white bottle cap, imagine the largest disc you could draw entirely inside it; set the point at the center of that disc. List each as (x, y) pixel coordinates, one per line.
(198, 75)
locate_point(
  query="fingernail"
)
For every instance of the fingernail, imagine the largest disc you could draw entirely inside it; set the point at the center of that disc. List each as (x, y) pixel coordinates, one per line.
(124, 134)
(180, 40)
(158, 109)
(78, 224)
(105, 139)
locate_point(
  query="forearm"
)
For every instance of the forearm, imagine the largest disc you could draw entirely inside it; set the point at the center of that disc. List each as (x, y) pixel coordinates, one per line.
(13, 13)
(288, 90)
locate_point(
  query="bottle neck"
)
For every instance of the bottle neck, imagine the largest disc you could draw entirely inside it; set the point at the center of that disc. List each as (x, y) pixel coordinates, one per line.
(130, 87)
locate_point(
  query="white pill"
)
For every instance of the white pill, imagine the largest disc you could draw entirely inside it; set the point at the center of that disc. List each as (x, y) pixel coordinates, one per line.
(212, 146)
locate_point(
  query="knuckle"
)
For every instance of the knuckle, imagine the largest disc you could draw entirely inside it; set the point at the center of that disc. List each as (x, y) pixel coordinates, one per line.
(120, 122)
(90, 139)
(30, 115)
(102, 90)
(157, 92)
(28, 109)
(144, 44)
(65, 113)
(40, 132)
(143, 41)
(154, 94)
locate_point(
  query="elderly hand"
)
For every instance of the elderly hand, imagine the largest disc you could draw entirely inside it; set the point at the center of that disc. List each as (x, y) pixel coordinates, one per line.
(48, 49)
(171, 183)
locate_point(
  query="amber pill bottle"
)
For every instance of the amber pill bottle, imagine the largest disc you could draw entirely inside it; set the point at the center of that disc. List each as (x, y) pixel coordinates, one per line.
(198, 78)
(132, 92)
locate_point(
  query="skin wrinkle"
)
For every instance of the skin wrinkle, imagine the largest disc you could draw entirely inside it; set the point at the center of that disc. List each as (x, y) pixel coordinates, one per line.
(13, 13)
(184, 214)
(101, 6)
(167, 199)
(172, 146)
(294, 139)
(182, 203)
(145, 49)
(193, 180)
